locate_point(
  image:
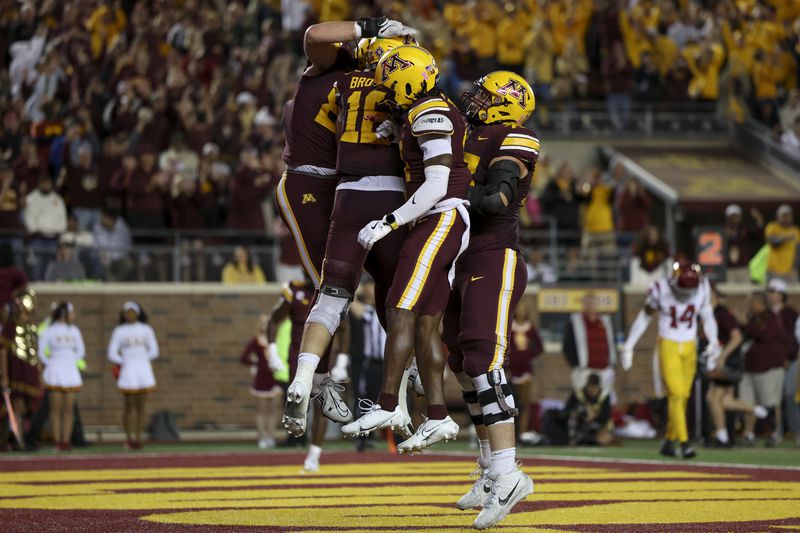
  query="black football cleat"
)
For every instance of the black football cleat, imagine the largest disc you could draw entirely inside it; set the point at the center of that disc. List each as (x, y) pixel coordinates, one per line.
(668, 449)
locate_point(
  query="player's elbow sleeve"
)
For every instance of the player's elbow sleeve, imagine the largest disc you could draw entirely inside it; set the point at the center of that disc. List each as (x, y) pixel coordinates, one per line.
(491, 205)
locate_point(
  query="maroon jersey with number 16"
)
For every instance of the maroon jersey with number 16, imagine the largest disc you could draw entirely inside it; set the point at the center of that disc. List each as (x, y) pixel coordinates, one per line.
(361, 110)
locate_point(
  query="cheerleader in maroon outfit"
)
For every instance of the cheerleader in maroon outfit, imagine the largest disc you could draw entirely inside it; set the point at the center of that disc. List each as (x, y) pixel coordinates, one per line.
(526, 345)
(269, 395)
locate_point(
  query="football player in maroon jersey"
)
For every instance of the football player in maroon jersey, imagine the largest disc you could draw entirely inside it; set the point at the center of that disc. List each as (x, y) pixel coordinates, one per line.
(369, 173)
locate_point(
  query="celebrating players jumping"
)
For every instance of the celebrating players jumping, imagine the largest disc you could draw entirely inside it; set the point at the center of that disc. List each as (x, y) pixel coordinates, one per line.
(385, 174)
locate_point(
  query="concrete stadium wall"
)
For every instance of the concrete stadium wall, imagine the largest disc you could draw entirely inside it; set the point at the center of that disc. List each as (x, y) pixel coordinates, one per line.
(202, 329)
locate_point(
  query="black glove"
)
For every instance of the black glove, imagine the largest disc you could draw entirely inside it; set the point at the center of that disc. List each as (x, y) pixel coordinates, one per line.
(370, 26)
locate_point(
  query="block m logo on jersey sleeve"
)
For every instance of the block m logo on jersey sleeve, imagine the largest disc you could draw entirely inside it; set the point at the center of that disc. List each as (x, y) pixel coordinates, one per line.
(392, 64)
(516, 91)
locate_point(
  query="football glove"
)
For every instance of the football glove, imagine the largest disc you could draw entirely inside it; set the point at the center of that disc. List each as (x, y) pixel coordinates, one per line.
(626, 358)
(375, 231)
(712, 353)
(339, 370)
(274, 360)
(388, 130)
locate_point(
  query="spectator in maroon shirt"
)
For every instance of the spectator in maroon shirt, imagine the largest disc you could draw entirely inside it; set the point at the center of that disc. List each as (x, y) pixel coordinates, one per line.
(212, 187)
(777, 296)
(618, 74)
(144, 188)
(764, 363)
(11, 198)
(83, 187)
(28, 166)
(589, 345)
(525, 346)
(633, 209)
(249, 187)
(742, 242)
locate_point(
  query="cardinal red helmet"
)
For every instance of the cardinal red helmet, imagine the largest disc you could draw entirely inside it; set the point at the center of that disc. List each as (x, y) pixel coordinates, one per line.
(685, 278)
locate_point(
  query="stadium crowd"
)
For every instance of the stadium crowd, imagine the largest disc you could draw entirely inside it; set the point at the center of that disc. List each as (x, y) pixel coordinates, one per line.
(153, 116)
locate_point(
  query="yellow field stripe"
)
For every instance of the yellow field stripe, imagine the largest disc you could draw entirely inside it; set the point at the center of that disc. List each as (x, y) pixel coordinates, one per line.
(425, 260)
(426, 106)
(294, 227)
(504, 309)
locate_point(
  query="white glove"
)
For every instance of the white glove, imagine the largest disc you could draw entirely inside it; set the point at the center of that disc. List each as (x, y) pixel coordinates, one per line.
(339, 370)
(626, 358)
(712, 353)
(388, 130)
(395, 28)
(273, 359)
(373, 232)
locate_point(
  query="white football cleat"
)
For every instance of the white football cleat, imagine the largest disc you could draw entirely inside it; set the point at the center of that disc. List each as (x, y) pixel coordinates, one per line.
(480, 491)
(429, 433)
(296, 410)
(328, 397)
(374, 419)
(310, 466)
(506, 492)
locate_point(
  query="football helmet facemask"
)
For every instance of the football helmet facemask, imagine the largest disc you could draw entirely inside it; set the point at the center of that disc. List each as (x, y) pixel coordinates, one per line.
(500, 96)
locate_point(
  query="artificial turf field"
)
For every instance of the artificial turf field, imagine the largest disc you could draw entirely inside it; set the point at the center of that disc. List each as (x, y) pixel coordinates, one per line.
(227, 487)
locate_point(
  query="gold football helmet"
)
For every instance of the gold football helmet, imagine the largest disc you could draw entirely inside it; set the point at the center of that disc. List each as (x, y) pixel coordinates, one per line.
(407, 73)
(370, 50)
(501, 96)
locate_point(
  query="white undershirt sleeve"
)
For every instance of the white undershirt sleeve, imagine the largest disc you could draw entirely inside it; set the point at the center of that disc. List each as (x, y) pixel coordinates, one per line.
(638, 328)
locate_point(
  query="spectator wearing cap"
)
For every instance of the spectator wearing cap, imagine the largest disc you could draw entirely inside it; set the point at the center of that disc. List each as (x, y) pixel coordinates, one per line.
(777, 297)
(764, 362)
(782, 236)
(65, 267)
(742, 242)
(589, 346)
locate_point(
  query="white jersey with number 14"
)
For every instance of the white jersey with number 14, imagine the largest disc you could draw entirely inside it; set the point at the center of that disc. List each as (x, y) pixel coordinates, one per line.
(677, 320)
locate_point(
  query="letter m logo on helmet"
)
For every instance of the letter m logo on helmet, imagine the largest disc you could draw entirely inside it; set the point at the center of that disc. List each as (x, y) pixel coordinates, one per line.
(392, 64)
(515, 90)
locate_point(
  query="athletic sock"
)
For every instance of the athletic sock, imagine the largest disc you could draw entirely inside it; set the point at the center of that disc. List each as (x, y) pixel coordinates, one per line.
(437, 412)
(388, 402)
(722, 435)
(486, 451)
(314, 452)
(309, 359)
(750, 436)
(504, 461)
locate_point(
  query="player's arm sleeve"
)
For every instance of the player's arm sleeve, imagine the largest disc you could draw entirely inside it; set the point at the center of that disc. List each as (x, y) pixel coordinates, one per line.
(710, 327)
(113, 348)
(638, 328)
(500, 190)
(436, 148)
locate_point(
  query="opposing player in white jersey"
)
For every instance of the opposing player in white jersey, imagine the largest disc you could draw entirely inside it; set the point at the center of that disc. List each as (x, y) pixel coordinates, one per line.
(679, 300)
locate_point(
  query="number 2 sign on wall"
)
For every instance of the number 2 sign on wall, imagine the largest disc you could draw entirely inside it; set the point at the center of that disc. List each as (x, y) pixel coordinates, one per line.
(711, 248)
